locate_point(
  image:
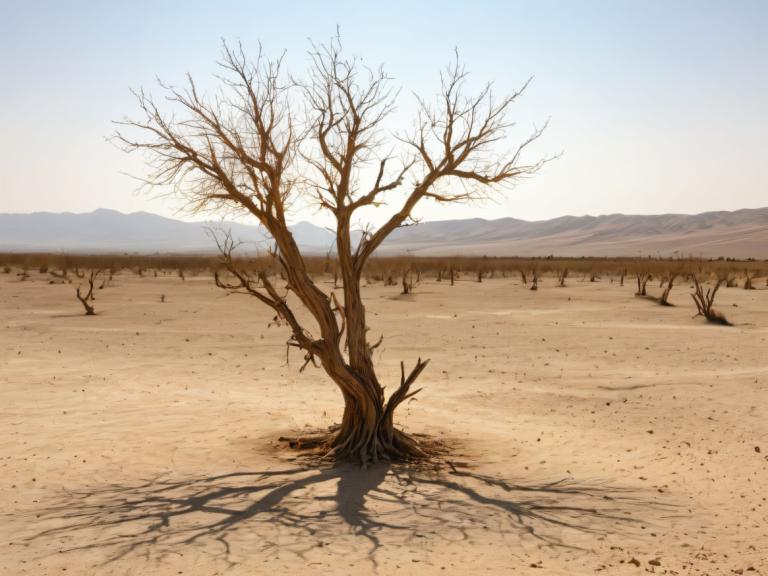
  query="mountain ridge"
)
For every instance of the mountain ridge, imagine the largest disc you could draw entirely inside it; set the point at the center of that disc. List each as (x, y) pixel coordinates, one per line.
(740, 233)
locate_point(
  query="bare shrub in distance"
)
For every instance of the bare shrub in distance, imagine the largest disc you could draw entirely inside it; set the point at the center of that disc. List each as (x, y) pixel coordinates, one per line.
(664, 299)
(642, 281)
(87, 300)
(704, 301)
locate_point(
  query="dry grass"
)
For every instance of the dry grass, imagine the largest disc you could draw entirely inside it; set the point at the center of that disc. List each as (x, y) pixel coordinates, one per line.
(388, 269)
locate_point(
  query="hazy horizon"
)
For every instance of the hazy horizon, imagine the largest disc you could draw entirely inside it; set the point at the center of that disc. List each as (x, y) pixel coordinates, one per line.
(657, 108)
(183, 216)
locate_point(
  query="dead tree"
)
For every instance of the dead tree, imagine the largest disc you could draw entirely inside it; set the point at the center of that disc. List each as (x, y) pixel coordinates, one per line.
(523, 277)
(623, 273)
(561, 277)
(748, 280)
(664, 300)
(406, 282)
(642, 281)
(87, 300)
(534, 279)
(704, 302)
(267, 139)
(452, 275)
(60, 276)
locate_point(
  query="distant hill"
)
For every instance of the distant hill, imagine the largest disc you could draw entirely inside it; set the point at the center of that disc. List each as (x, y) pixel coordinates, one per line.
(740, 234)
(103, 231)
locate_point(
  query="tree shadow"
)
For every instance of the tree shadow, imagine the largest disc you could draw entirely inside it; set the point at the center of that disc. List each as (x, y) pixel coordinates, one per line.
(300, 509)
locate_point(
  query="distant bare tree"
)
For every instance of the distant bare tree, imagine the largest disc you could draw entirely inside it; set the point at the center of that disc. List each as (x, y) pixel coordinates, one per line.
(534, 278)
(642, 282)
(664, 300)
(406, 282)
(265, 142)
(748, 276)
(704, 301)
(87, 300)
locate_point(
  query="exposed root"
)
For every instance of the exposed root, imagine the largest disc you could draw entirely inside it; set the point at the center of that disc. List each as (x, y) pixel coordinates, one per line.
(334, 446)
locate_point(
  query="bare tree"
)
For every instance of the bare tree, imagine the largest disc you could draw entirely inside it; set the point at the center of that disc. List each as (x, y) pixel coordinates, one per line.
(534, 278)
(704, 301)
(87, 300)
(664, 299)
(642, 280)
(406, 282)
(748, 276)
(562, 275)
(266, 142)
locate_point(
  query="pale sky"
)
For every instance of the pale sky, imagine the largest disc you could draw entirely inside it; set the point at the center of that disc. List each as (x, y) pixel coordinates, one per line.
(657, 106)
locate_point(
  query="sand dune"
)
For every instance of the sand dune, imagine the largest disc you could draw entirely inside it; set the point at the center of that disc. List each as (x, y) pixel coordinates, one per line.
(740, 234)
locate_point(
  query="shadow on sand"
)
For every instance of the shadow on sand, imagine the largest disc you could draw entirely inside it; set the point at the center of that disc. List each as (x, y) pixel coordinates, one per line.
(301, 509)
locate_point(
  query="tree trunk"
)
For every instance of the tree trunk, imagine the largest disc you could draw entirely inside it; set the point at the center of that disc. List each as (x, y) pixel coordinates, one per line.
(367, 433)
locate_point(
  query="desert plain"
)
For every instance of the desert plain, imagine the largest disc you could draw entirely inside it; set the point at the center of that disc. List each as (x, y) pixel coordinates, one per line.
(590, 431)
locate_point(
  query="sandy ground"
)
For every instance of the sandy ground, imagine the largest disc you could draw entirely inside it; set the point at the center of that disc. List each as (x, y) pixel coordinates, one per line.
(596, 432)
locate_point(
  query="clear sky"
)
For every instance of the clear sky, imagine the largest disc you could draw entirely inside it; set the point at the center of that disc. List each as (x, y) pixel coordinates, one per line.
(657, 106)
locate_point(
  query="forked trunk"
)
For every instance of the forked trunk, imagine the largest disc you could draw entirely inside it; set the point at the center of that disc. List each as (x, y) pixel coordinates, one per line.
(367, 433)
(642, 281)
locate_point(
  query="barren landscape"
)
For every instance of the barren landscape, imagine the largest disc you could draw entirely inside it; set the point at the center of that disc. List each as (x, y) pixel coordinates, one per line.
(590, 431)
(399, 288)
